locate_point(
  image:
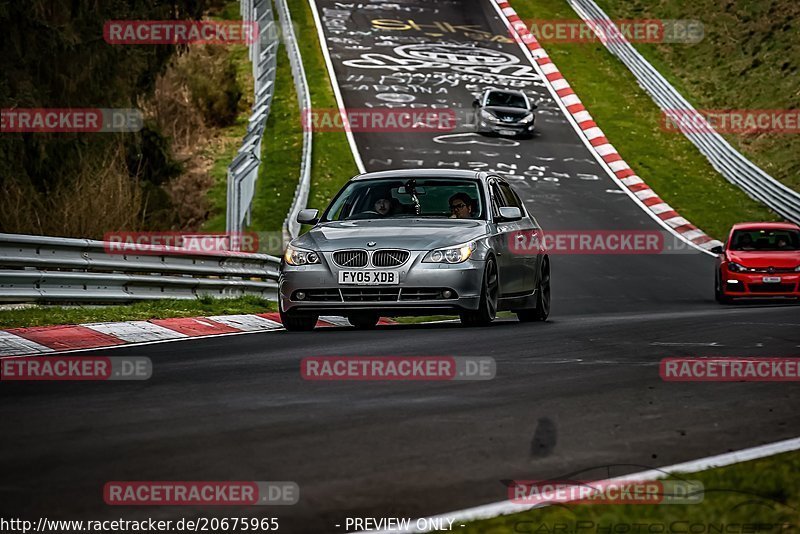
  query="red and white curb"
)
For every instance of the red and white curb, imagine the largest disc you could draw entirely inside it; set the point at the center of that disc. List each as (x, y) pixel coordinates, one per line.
(49, 339)
(596, 140)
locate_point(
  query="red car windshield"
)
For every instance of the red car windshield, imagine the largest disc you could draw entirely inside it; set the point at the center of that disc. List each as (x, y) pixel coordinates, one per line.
(766, 239)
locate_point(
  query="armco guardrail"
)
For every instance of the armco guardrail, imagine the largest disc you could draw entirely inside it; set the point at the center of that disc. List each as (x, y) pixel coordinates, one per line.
(36, 268)
(243, 171)
(736, 168)
(291, 228)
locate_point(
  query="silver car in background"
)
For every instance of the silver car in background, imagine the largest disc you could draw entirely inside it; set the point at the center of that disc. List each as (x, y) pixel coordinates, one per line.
(504, 112)
(416, 242)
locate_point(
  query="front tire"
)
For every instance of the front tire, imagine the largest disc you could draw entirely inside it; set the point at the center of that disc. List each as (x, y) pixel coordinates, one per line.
(542, 311)
(296, 322)
(487, 308)
(719, 296)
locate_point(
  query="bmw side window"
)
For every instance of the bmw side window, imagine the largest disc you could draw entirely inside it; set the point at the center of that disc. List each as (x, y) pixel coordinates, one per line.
(511, 198)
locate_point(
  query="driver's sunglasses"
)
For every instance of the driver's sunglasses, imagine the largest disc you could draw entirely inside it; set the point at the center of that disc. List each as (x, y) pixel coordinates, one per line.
(455, 207)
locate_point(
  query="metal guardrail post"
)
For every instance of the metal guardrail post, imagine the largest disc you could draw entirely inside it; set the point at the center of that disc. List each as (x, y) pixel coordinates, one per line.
(291, 228)
(57, 269)
(243, 171)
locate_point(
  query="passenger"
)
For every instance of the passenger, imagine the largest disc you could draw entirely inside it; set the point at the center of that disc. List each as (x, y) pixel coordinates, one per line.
(461, 206)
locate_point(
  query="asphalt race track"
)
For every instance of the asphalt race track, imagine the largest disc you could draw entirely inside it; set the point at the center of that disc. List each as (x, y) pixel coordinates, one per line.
(581, 393)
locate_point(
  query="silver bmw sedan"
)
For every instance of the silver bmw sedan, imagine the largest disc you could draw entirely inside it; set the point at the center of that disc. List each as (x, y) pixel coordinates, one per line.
(417, 242)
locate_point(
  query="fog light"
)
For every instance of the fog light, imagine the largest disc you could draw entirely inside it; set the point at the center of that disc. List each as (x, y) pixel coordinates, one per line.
(300, 295)
(447, 294)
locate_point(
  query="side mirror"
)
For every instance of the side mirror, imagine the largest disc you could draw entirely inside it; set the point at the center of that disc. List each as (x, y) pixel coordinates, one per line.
(534, 106)
(508, 214)
(308, 216)
(717, 250)
(476, 103)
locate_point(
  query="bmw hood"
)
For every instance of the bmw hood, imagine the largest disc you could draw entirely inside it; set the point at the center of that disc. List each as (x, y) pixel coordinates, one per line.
(405, 233)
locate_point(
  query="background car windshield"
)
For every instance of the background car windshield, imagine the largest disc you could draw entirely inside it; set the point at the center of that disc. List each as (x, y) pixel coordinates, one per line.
(360, 199)
(506, 100)
(766, 239)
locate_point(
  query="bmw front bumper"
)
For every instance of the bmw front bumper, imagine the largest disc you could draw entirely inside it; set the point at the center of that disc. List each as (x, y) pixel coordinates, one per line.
(422, 288)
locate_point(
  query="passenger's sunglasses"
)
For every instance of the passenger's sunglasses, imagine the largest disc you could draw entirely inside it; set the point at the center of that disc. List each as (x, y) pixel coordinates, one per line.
(455, 207)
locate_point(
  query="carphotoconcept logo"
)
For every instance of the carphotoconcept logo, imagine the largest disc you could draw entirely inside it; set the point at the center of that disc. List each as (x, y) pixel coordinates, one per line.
(76, 368)
(423, 368)
(197, 493)
(70, 120)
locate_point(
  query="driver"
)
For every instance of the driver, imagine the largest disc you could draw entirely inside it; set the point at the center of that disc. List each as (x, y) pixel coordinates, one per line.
(461, 206)
(383, 206)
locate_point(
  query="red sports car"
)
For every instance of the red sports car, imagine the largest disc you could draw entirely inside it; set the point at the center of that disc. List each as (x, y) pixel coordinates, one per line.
(759, 260)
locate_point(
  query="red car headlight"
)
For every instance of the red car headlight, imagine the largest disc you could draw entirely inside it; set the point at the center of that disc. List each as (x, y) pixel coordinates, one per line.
(735, 267)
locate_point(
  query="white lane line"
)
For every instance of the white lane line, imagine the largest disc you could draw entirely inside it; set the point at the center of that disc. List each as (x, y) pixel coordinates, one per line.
(13, 345)
(686, 344)
(135, 331)
(488, 511)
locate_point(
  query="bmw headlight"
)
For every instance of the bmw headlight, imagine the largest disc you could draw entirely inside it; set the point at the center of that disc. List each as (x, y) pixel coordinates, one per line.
(457, 254)
(527, 118)
(297, 256)
(485, 115)
(735, 267)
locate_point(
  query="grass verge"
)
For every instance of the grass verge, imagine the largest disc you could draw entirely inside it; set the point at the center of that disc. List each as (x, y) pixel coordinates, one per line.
(761, 496)
(748, 59)
(667, 161)
(141, 311)
(332, 161)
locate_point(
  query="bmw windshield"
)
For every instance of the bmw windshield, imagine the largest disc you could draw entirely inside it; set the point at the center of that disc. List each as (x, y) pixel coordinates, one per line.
(421, 197)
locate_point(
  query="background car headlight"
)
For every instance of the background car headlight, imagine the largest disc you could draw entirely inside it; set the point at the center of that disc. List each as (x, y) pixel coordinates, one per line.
(296, 256)
(485, 115)
(797, 269)
(457, 254)
(527, 118)
(735, 267)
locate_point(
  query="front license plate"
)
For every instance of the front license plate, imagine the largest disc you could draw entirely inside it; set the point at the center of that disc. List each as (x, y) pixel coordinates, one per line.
(369, 278)
(508, 132)
(771, 279)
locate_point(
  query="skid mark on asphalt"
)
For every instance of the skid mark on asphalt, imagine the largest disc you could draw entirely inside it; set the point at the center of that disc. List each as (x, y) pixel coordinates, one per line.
(544, 438)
